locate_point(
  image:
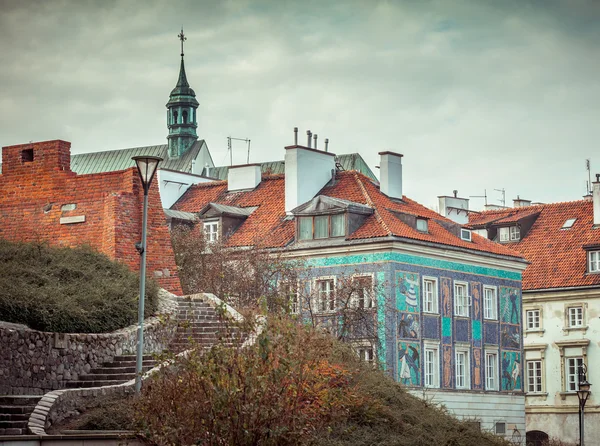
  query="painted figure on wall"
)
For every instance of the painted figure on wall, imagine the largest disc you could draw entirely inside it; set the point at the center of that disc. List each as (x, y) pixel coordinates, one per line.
(511, 371)
(408, 292)
(447, 366)
(510, 305)
(446, 297)
(511, 336)
(408, 325)
(477, 368)
(409, 364)
(476, 297)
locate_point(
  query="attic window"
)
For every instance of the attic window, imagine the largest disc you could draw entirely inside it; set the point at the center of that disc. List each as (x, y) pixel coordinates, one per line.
(594, 261)
(422, 225)
(569, 223)
(211, 231)
(27, 155)
(321, 226)
(465, 234)
(509, 234)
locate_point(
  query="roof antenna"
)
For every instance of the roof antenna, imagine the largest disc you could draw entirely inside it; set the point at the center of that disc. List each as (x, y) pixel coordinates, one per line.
(326, 144)
(295, 136)
(589, 183)
(246, 140)
(309, 134)
(484, 196)
(503, 200)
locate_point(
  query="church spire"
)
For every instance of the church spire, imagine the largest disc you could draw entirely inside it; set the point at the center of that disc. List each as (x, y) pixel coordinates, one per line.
(181, 116)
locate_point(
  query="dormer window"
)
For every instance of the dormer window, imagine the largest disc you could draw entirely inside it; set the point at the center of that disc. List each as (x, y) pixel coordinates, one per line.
(321, 226)
(465, 234)
(509, 234)
(422, 225)
(211, 231)
(569, 223)
(594, 261)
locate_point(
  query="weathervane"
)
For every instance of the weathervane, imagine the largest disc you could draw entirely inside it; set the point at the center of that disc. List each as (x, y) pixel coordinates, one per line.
(182, 38)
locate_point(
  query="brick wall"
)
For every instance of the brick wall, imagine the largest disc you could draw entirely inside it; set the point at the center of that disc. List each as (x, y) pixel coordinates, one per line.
(42, 200)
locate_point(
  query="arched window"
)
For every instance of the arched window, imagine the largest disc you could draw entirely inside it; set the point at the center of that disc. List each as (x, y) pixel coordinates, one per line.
(174, 116)
(184, 115)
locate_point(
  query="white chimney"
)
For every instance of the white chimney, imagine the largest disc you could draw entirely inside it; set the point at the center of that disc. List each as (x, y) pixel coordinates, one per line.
(390, 182)
(596, 199)
(306, 172)
(245, 176)
(521, 202)
(455, 208)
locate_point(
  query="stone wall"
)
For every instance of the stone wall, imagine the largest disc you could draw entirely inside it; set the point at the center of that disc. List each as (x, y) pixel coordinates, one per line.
(35, 362)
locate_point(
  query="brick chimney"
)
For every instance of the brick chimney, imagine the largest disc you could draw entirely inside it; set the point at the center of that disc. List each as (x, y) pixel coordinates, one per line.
(307, 170)
(596, 199)
(243, 177)
(390, 182)
(36, 158)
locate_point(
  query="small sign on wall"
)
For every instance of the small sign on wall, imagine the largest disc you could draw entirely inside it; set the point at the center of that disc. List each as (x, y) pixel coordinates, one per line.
(71, 220)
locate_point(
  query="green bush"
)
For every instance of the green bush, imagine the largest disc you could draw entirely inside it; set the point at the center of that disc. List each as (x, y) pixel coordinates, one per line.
(69, 290)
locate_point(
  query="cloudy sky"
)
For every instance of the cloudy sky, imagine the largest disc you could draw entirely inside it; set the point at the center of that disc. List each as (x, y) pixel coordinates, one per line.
(476, 94)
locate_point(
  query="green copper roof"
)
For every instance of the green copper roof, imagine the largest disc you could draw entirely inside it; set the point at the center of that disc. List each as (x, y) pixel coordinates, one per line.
(349, 161)
(182, 93)
(112, 160)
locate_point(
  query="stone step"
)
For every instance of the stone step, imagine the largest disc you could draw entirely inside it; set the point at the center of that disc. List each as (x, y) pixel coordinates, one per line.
(13, 431)
(19, 400)
(131, 358)
(128, 363)
(13, 424)
(119, 370)
(78, 384)
(107, 377)
(15, 416)
(16, 409)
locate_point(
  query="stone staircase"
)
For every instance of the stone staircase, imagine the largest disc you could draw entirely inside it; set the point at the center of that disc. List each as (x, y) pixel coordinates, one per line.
(121, 369)
(14, 413)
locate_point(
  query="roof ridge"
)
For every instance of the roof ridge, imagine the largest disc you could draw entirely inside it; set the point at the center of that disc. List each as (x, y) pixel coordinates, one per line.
(532, 206)
(370, 202)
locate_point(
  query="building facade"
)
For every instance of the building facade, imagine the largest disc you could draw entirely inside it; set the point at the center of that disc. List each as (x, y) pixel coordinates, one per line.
(442, 306)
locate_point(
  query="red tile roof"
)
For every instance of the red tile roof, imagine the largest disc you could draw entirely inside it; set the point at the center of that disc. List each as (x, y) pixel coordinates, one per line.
(267, 225)
(557, 256)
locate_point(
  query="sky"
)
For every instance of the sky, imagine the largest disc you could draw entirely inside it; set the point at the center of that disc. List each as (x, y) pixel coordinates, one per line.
(477, 95)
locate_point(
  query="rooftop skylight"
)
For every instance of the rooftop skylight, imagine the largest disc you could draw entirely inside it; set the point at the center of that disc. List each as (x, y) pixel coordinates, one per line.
(569, 223)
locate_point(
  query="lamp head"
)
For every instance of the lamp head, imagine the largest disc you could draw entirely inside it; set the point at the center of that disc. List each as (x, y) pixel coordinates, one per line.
(146, 166)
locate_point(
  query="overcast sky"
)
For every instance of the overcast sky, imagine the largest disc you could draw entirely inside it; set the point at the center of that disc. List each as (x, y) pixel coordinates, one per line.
(476, 94)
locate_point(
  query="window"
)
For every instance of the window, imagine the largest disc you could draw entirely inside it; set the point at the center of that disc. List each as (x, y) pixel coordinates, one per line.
(575, 317)
(184, 116)
(461, 369)
(511, 233)
(325, 295)
(534, 376)
(515, 233)
(490, 303)
(290, 292)
(465, 234)
(569, 223)
(366, 354)
(362, 292)
(211, 231)
(491, 371)
(432, 369)
(594, 261)
(503, 233)
(500, 428)
(422, 225)
(27, 156)
(572, 373)
(461, 307)
(430, 295)
(533, 319)
(321, 226)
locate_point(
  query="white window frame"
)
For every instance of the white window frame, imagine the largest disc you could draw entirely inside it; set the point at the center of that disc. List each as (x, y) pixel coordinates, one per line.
(594, 262)
(211, 230)
(461, 306)
(366, 353)
(491, 370)
(465, 234)
(515, 233)
(462, 371)
(293, 295)
(533, 319)
(504, 234)
(575, 316)
(424, 225)
(535, 376)
(327, 303)
(430, 300)
(368, 297)
(490, 309)
(572, 379)
(431, 366)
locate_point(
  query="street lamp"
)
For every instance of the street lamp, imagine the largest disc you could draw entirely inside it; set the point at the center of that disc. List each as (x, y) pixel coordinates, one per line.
(583, 392)
(146, 166)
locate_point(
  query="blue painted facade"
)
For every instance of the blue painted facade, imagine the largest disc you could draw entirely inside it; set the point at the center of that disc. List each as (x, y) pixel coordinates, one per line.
(404, 329)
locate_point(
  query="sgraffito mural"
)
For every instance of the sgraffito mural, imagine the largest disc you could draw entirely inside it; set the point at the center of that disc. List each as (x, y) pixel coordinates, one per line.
(510, 305)
(447, 367)
(511, 371)
(408, 326)
(477, 368)
(511, 336)
(409, 363)
(408, 292)
(446, 287)
(476, 299)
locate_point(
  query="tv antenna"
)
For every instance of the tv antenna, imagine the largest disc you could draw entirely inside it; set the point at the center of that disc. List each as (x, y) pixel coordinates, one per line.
(503, 200)
(230, 149)
(588, 188)
(484, 196)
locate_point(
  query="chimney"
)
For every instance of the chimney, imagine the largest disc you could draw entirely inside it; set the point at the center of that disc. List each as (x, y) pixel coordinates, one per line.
(520, 202)
(307, 171)
(596, 199)
(308, 134)
(390, 167)
(454, 207)
(36, 157)
(243, 177)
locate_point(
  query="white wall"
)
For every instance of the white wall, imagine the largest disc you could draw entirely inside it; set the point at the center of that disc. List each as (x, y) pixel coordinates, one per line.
(455, 209)
(172, 185)
(487, 408)
(202, 160)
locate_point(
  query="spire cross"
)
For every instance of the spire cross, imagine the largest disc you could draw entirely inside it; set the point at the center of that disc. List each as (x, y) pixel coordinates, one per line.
(182, 38)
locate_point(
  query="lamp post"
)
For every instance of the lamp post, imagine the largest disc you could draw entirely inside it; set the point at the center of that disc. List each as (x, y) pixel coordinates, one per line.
(583, 392)
(146, 166)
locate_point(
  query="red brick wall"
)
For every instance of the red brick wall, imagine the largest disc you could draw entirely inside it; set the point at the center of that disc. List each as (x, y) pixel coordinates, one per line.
(32, 194)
